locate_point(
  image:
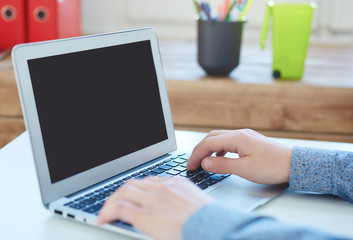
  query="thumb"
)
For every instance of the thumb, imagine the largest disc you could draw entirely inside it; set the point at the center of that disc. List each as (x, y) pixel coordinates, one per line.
(222, 164)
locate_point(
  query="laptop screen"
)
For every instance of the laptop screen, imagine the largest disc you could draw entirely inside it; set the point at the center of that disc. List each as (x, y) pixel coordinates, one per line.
(97, 105)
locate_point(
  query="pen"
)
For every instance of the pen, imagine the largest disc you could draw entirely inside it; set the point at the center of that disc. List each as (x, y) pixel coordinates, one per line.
(197, 8)
(225, 10)
(245, 10)
(206, 9)
(230, 10)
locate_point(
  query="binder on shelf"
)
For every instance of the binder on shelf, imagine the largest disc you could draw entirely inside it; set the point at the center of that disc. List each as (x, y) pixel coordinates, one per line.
(12, 23)
(52, 19)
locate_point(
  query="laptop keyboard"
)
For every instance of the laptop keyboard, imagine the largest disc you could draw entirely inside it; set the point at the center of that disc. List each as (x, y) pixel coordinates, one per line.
(173, 166)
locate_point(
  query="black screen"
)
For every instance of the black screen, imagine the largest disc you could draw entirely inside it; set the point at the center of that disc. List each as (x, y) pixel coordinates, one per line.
(95, 106)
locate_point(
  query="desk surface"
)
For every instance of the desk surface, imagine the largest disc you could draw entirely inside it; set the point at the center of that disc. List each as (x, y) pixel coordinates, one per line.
(23, 216)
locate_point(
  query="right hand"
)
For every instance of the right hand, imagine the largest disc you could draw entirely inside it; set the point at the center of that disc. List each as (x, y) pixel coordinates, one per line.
(261, 159)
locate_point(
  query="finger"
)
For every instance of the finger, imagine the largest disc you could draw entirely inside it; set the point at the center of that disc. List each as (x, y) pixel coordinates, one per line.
(210, 134)
(133, 191)
(227, 142)
(119, 210)
(243, 167)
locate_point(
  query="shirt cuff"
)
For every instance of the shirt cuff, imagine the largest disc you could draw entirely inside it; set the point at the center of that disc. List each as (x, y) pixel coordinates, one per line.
(311, 170)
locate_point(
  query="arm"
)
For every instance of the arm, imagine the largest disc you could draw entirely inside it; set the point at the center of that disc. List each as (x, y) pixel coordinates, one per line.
(215, 221)
(265, 161)
(325, 171)
(174, 208)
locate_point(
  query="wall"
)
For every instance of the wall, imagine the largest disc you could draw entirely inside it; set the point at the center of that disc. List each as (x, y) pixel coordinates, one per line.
(333, 21)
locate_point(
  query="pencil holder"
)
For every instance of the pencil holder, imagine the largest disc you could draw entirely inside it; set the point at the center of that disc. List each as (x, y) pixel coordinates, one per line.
(219, 46)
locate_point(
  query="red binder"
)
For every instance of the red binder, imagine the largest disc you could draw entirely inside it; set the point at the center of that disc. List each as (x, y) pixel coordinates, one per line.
(52, 19)
(12, 23)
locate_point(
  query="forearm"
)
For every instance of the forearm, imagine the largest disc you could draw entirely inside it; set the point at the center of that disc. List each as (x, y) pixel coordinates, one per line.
(324, 171)
(216, 221)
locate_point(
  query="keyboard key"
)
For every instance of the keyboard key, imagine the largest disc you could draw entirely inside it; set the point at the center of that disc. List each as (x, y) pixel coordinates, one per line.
(168, 160)
(79, 199)
(179, 160)
(141, 176)
(194, 180)
(173, 172)
(144, 170)
(118, 182)
(150, 174)
(77, 206)
(122, 224)
(153, 167)
(167, 175)
(206, 174)
(184, 164)
(87, 201)
(183, 174)
(180, 168)
(135, 174)
(127, 178)
(181, 154)
(106, 193)
(99, 190)
(108, 186)
(197, 179)
(101, 203)
(93, 209)
(172, 164)
(114, 188)
(158, 170)
(89, 194)
(191, 173)
(209, 182)
(202, 186)
(98, 197)
(216, 177)
(160, 163)
(165, 167)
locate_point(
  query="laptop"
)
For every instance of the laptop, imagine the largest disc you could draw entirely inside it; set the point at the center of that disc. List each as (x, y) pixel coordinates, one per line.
(97, 112)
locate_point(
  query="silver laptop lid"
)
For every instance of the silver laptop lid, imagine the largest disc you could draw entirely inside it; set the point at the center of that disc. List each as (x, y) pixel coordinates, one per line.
(94, 107)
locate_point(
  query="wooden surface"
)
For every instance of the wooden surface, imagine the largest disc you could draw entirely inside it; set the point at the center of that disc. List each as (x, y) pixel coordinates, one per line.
(11, 121)
(319, 107)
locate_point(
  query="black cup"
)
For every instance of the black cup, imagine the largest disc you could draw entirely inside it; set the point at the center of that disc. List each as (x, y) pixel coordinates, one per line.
(218, 46)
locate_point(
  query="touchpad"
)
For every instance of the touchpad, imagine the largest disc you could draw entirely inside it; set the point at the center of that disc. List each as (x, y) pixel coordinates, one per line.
(240, 199)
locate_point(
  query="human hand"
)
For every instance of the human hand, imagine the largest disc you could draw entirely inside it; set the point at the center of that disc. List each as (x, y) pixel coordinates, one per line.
(261, 159)
(157, 207)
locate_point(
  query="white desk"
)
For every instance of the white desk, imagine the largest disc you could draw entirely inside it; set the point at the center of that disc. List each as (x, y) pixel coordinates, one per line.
(24, 217)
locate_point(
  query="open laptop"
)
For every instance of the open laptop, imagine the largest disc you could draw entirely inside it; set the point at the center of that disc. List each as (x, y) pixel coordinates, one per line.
(97, 112)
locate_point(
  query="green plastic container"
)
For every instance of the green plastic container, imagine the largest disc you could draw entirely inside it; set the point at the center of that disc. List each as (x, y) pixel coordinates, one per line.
(291, 27)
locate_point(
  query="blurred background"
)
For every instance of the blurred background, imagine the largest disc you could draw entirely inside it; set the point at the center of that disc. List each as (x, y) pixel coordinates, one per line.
(174, 20)
(319, 106)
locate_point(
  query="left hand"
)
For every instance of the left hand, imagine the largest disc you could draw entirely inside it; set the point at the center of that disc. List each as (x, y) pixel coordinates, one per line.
(158, 207)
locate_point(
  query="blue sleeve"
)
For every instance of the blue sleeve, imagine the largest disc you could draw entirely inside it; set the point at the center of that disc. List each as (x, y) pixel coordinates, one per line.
(324, 171)
(217, 221)
(312, 170)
